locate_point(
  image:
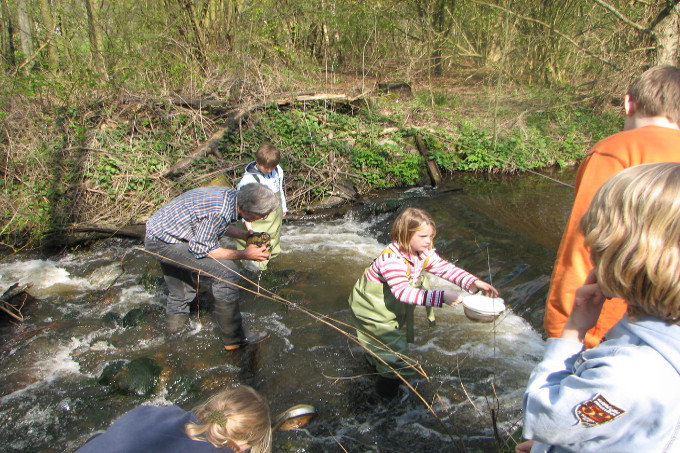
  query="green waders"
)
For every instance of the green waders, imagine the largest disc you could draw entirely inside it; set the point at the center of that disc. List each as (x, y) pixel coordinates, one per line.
(378, 317)
(272, 225)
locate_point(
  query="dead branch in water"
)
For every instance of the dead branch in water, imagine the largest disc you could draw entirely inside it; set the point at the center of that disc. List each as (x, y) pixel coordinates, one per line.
(13, 292)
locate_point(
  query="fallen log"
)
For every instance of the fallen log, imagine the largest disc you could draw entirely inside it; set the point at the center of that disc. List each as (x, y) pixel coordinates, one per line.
(206, 148)
(129, 231)
(432, 168)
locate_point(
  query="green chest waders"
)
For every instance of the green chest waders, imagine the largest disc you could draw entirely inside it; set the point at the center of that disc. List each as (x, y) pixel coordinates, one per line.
(379, 316)
(270, 224)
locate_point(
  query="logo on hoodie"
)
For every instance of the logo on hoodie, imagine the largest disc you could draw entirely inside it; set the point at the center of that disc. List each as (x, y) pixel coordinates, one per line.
(597, 411)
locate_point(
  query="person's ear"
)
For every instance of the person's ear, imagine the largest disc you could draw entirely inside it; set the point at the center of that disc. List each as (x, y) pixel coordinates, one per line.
(629, 105)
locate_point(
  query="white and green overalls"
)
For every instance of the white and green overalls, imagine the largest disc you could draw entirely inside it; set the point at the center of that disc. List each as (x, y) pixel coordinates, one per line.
(273, 222)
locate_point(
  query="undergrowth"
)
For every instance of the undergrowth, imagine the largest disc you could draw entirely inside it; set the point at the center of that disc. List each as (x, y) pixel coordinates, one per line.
(105, 162)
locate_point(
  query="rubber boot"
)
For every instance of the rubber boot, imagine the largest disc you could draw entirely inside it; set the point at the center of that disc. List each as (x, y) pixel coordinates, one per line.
(252, 337)
(174, 323)
(387, 387)
(229, 325)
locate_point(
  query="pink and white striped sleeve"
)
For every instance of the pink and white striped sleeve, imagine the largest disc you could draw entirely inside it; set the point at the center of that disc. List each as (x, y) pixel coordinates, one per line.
(391, 269)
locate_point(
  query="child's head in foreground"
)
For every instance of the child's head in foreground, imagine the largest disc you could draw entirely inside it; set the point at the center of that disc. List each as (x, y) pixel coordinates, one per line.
(407, 224)
(656, 92)
(237, 418)
(267, 157)
(632, 229)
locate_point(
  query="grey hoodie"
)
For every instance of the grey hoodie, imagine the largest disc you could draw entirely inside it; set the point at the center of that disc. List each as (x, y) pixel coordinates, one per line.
(621, 396)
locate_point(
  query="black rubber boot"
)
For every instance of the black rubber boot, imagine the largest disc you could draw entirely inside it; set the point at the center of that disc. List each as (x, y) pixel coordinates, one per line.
(387, 387)
(252, 337)
(229, 324)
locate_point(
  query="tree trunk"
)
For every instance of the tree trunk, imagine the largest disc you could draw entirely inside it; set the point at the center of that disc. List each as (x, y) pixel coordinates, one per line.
(6, 35)
(199, 48)
(95, 44)
(666, 37)
(25, 31)
(48, 23)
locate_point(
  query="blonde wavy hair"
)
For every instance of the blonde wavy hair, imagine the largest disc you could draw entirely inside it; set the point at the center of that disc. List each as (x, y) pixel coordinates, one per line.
(633, 231)
(407, 223)
(231, 417)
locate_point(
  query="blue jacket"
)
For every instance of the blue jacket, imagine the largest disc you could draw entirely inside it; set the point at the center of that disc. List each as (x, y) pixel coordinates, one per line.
(621, 396)
(150, 429)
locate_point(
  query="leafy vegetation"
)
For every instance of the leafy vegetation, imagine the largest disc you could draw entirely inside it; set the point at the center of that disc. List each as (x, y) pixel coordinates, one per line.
(92, 114)
(101, 170)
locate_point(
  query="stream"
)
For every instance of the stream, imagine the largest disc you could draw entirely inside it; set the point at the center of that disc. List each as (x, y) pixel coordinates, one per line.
(99, 309)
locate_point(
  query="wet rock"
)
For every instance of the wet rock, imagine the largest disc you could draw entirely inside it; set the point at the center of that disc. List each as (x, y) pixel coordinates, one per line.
(282, 277)
(112, 318)
(295, 296)
(137, 377)
(151, 276)
(140, 315)
(108, 375)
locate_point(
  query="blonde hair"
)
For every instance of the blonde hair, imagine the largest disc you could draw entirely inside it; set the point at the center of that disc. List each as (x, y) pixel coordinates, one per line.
(268, 156)
(407, 223)
(656, 92)
(232, 416)
(633, 231)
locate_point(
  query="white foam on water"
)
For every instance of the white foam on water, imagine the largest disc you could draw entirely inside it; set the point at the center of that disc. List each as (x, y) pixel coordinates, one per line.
(61, 363)
(334, 238)
(102, 346)
(103, 276)
(130, 297)
(275, 325)
(46, 277)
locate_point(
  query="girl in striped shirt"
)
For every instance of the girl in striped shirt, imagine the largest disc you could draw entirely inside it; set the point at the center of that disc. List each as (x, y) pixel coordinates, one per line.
(384, 298)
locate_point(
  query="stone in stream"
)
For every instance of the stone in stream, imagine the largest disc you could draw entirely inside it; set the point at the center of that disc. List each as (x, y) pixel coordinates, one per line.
(137, 377)
(140, 315)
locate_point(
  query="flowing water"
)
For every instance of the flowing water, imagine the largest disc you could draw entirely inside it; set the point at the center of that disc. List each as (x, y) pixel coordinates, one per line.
(504, 230)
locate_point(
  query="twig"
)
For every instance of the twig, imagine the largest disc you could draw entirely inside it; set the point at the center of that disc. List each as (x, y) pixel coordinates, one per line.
(554, 30)
(26, 332)
(327, 320)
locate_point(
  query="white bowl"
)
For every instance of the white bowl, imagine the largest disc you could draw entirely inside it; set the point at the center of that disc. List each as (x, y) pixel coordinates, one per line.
(478, 307)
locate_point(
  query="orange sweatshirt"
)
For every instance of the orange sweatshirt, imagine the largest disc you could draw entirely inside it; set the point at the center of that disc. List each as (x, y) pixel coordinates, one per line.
(648, 144)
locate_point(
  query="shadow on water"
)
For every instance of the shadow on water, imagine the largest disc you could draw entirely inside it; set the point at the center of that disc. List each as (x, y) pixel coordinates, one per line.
(99, 314)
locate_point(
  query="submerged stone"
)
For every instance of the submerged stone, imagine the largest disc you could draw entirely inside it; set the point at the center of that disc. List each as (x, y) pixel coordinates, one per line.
(111, 317)
(137, 377)
(139, 315)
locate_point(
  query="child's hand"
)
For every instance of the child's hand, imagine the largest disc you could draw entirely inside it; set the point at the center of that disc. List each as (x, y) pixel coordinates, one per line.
(487, 289)
(587, 308)
(452, 298)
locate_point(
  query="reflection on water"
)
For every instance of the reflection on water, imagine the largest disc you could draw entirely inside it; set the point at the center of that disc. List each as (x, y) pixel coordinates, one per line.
(52, 399)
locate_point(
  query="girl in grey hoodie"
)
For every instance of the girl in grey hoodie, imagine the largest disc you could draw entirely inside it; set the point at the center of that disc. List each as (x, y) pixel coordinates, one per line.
(622, 395)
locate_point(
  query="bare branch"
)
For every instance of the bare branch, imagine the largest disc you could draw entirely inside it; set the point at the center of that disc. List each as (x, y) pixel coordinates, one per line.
(556, 31)
(619, 15)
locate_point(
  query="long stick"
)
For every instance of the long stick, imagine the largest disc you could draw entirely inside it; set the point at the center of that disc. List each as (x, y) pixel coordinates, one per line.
(327, 320)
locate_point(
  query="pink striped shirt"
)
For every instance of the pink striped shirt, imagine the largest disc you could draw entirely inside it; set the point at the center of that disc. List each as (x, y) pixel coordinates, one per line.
(393, 269)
